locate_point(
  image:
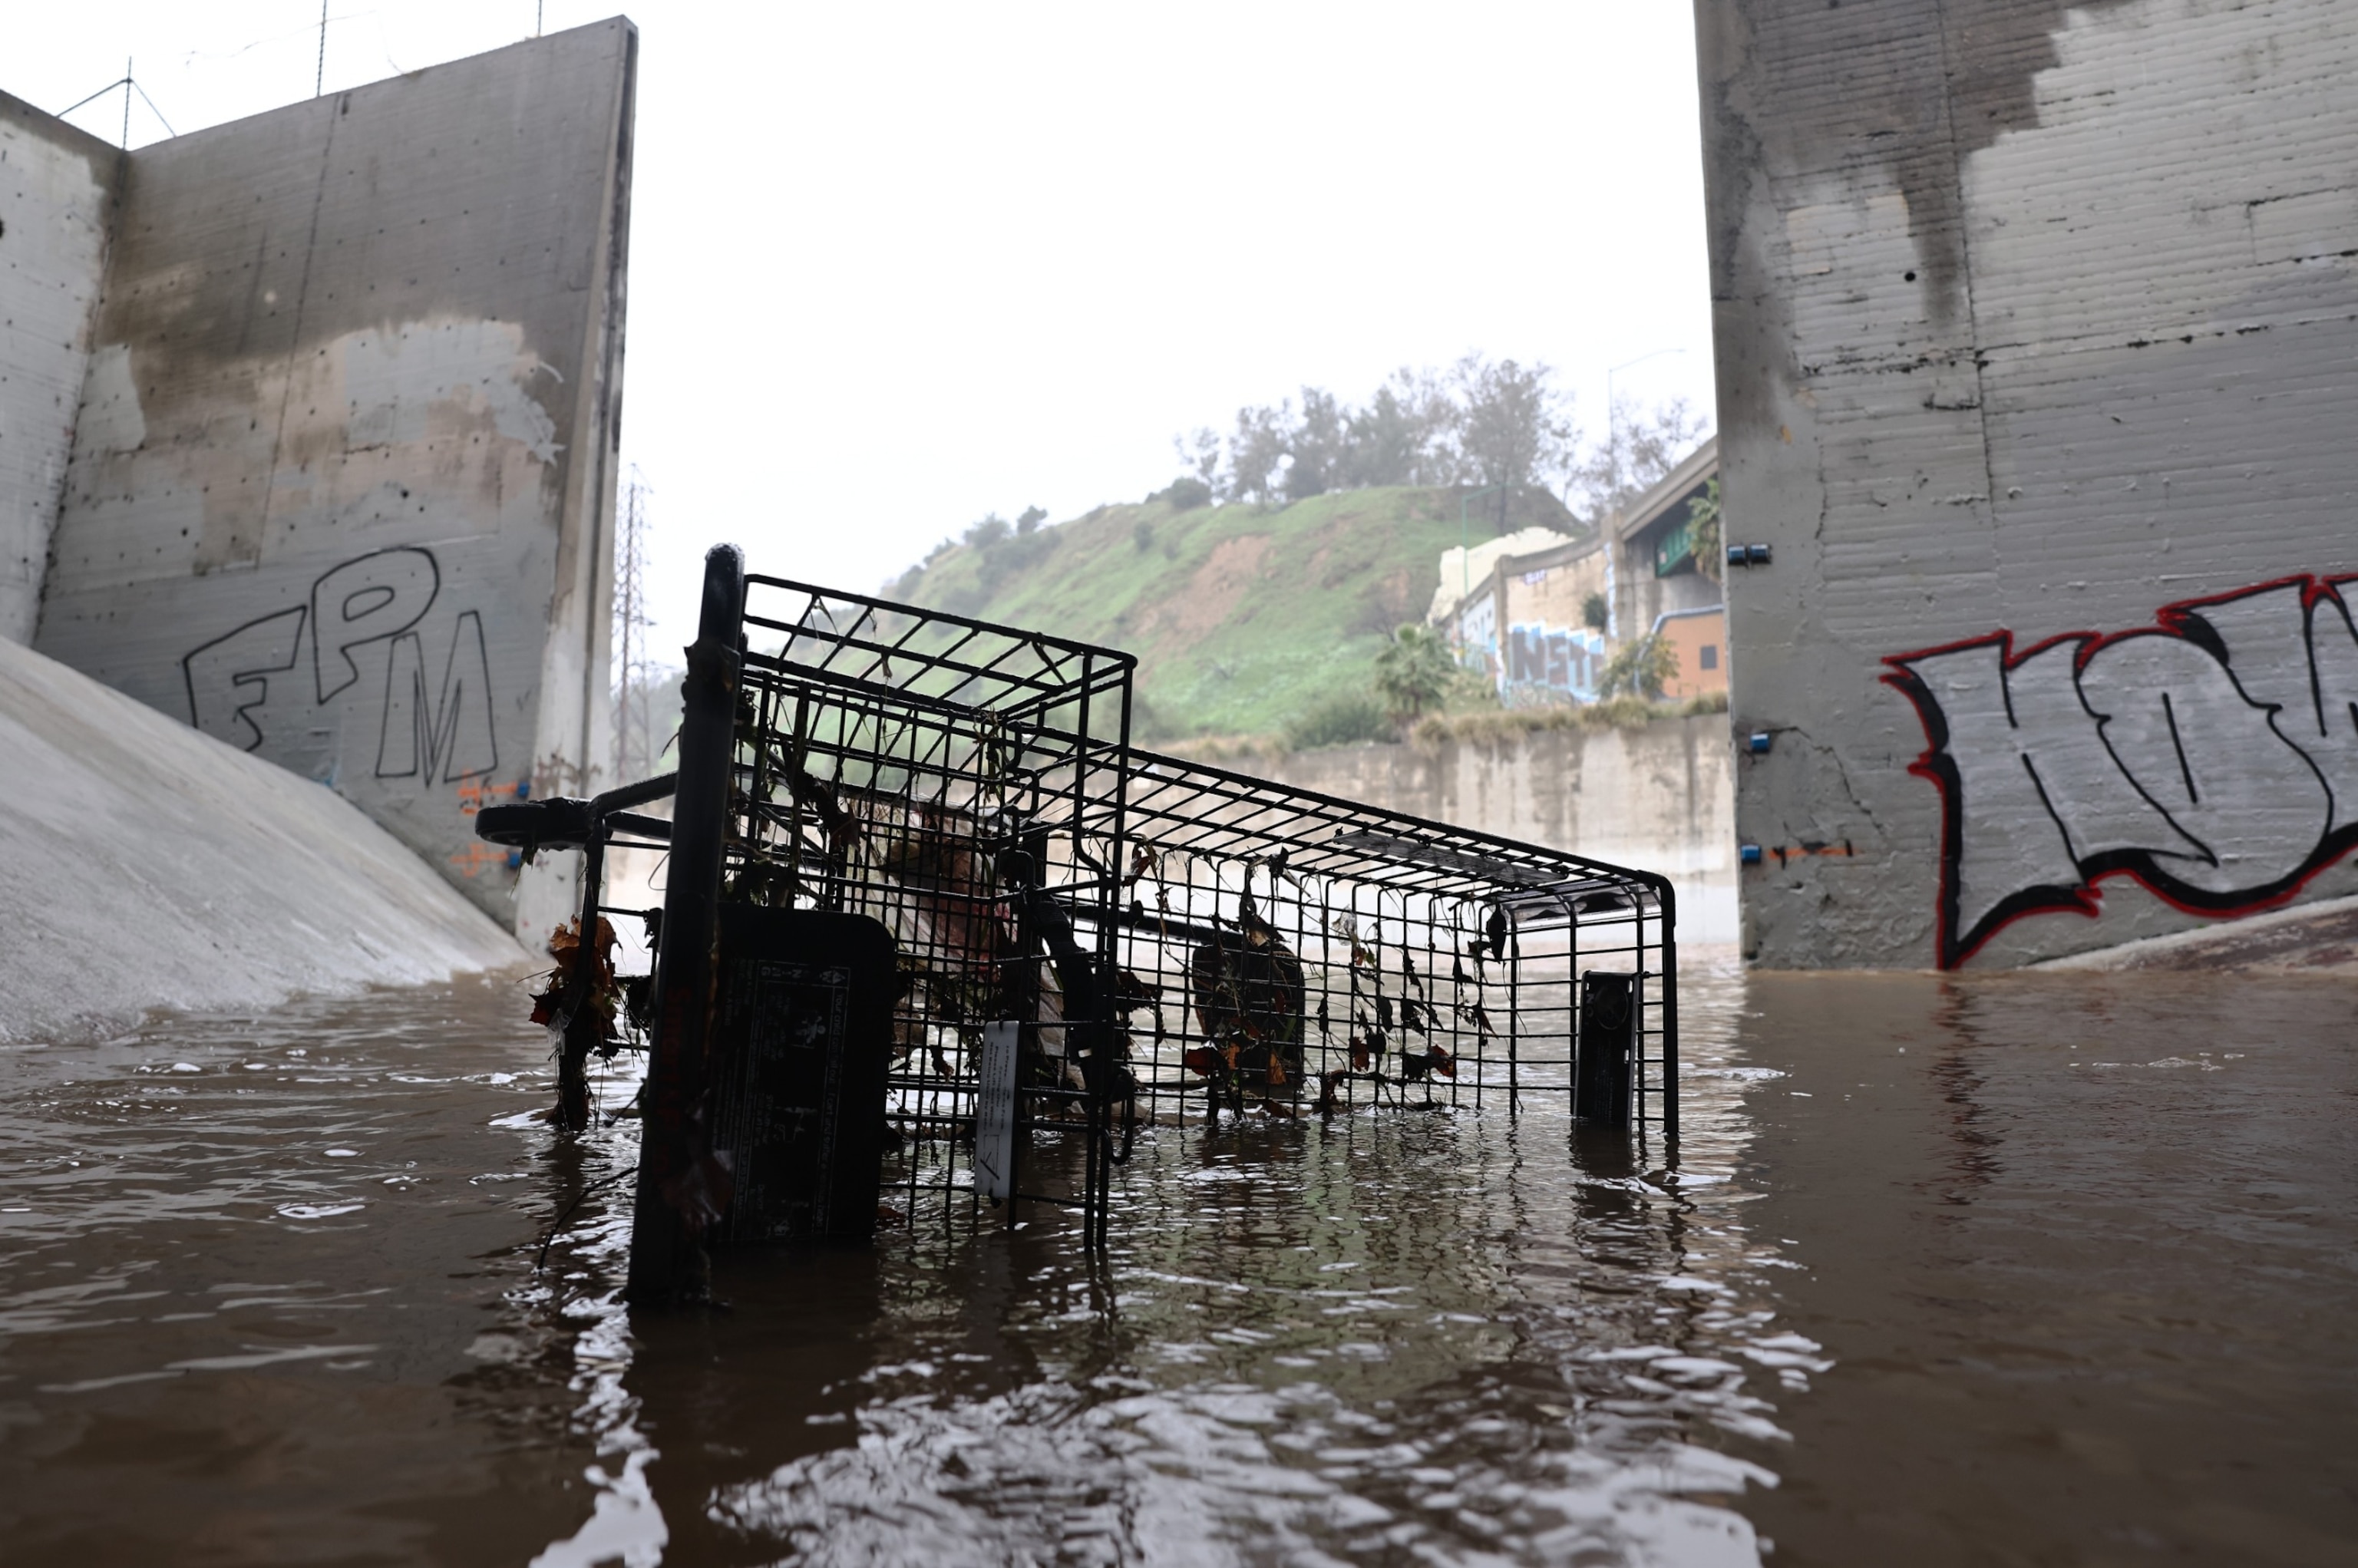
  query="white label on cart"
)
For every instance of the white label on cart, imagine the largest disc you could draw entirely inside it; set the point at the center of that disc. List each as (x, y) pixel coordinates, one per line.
(994, 1126)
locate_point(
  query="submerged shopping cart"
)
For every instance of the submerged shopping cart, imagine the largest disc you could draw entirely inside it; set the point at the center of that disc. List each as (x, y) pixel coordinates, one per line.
(938, 941)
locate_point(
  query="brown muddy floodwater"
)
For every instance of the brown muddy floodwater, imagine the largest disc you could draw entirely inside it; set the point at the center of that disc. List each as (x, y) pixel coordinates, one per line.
(2019, 1270)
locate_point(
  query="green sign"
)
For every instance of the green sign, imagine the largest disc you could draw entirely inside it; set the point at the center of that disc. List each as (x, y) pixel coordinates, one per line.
(1675, 548)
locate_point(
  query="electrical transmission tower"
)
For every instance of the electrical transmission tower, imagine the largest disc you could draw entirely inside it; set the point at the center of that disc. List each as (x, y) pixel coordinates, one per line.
(636, 745)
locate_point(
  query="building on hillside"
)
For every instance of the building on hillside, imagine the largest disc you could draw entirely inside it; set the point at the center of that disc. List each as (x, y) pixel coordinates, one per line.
(1524, 609)
(1473, 629)
(1523, 623)
(1465, 574)
(1469, 607)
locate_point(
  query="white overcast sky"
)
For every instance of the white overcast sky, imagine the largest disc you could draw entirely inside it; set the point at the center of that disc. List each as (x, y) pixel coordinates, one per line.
(895, 266)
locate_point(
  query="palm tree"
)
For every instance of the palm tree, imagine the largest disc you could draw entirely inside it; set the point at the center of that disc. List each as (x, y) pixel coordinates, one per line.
(1413, 672)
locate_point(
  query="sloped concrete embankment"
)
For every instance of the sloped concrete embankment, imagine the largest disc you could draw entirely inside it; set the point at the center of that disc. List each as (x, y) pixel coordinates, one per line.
(145, 865)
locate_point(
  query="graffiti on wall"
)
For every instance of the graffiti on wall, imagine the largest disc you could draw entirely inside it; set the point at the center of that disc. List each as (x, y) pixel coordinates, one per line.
(434, 714)
(1554, 657)
(2212, 756)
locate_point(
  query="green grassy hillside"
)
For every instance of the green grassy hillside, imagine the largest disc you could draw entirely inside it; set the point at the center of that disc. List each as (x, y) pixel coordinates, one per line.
(1243, 617)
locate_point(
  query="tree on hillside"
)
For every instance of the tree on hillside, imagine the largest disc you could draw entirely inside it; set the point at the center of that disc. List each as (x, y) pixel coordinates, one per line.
(1184, 493)
(1641, 447)
(1199, 457)
(1257, 451)
(1485, 423)
(1514, 429)
(1414, 671)
(1316, 444)
(1401, 435)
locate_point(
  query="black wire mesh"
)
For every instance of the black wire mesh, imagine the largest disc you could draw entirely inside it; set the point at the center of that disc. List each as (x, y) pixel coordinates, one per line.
(902, 764)
(1433, 965)
(1178, 943)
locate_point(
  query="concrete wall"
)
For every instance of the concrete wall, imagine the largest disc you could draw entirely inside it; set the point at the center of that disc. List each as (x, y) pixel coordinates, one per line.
(1548, 651)
(56, 186)
(343, 483)
(1660, 798)
(145, 865)
(2036, 326)
(1552, 589)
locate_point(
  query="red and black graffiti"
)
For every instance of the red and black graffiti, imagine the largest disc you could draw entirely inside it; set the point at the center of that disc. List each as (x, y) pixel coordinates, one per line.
(2211, 757)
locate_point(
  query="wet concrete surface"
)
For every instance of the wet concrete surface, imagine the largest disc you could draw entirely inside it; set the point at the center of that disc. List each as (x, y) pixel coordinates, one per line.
(2053, 1269)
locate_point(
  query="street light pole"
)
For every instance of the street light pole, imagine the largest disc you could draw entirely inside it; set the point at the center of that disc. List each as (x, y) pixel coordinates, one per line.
(1613, 416)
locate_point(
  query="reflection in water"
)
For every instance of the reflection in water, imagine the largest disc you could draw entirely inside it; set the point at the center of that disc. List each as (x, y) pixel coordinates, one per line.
(1972, 1163)
(277, 1275)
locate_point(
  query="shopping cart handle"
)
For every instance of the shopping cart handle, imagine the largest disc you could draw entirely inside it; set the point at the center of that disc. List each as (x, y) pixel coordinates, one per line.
(569, 822)
(559, 821)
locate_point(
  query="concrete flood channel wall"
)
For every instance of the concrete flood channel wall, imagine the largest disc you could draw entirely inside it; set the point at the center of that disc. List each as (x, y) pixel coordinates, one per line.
(1659, 796)
(307, 427)
(56, 188)
(2035, 325)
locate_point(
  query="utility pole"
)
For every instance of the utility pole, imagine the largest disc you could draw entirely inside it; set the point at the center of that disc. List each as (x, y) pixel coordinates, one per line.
(635, 745)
